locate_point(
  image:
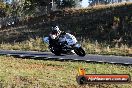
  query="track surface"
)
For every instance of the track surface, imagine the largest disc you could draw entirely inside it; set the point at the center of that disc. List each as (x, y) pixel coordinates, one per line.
(88, 58)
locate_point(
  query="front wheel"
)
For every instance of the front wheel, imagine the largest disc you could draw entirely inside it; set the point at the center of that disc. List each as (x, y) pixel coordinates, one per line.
(79, 51)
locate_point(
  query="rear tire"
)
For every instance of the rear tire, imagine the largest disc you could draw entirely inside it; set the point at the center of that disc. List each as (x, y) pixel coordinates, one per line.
(79, 51)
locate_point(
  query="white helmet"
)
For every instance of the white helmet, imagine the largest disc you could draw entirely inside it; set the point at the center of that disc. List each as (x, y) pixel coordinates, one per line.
(56, 30)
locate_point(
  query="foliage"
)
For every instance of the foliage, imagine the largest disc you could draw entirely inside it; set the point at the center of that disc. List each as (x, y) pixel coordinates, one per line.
(2, 5)
(32, 44)
(33, 73)
(2, 9)
(65, 3)
(28, 7)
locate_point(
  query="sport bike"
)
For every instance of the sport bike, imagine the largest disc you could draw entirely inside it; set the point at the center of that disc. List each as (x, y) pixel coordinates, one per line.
(65, 45)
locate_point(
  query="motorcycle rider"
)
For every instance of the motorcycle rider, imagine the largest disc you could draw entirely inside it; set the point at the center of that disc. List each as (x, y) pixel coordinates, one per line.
(55, 35)
(55, 32)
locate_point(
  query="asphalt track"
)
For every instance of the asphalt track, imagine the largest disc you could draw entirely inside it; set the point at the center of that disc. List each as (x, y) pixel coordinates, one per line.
(87, 58)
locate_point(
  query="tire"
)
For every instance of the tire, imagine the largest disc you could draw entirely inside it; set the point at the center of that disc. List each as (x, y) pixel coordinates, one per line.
(80, 51)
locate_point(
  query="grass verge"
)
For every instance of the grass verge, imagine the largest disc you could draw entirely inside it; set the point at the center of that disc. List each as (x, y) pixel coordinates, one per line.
(107, 49)
(29, 73)
(32, 44)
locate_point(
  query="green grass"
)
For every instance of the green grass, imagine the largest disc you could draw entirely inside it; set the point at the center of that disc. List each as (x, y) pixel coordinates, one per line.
(29, 73)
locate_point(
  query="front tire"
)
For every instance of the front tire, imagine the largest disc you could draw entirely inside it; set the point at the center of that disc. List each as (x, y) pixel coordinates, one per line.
(79, 51)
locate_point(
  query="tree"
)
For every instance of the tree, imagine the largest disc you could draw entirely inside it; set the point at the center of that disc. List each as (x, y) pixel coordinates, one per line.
(36, 7)
(2, 9)
(67, 3)
(27, 7)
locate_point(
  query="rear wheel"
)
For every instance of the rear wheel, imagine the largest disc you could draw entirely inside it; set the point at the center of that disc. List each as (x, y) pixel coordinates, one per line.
(79, 51)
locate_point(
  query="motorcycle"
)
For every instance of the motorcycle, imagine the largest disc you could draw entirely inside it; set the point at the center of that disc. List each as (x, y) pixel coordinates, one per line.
(66, 44)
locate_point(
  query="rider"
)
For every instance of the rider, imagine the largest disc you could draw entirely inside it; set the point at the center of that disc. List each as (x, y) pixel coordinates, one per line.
(55, 32)
(55, 35)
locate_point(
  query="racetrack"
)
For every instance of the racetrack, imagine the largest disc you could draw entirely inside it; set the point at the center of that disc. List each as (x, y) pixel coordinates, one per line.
(87, 58)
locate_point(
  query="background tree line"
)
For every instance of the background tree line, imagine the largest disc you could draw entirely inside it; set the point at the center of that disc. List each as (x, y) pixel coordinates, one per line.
(40, 7)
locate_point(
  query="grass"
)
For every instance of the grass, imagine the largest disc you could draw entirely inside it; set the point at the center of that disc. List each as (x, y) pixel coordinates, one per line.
(107, 49)
(29, 73)
(32, 44)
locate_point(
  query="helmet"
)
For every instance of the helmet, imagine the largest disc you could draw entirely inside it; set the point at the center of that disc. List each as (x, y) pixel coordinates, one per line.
(56, 30)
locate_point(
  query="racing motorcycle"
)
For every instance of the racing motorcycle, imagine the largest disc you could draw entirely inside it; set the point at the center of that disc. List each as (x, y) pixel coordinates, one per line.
(65, 44)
